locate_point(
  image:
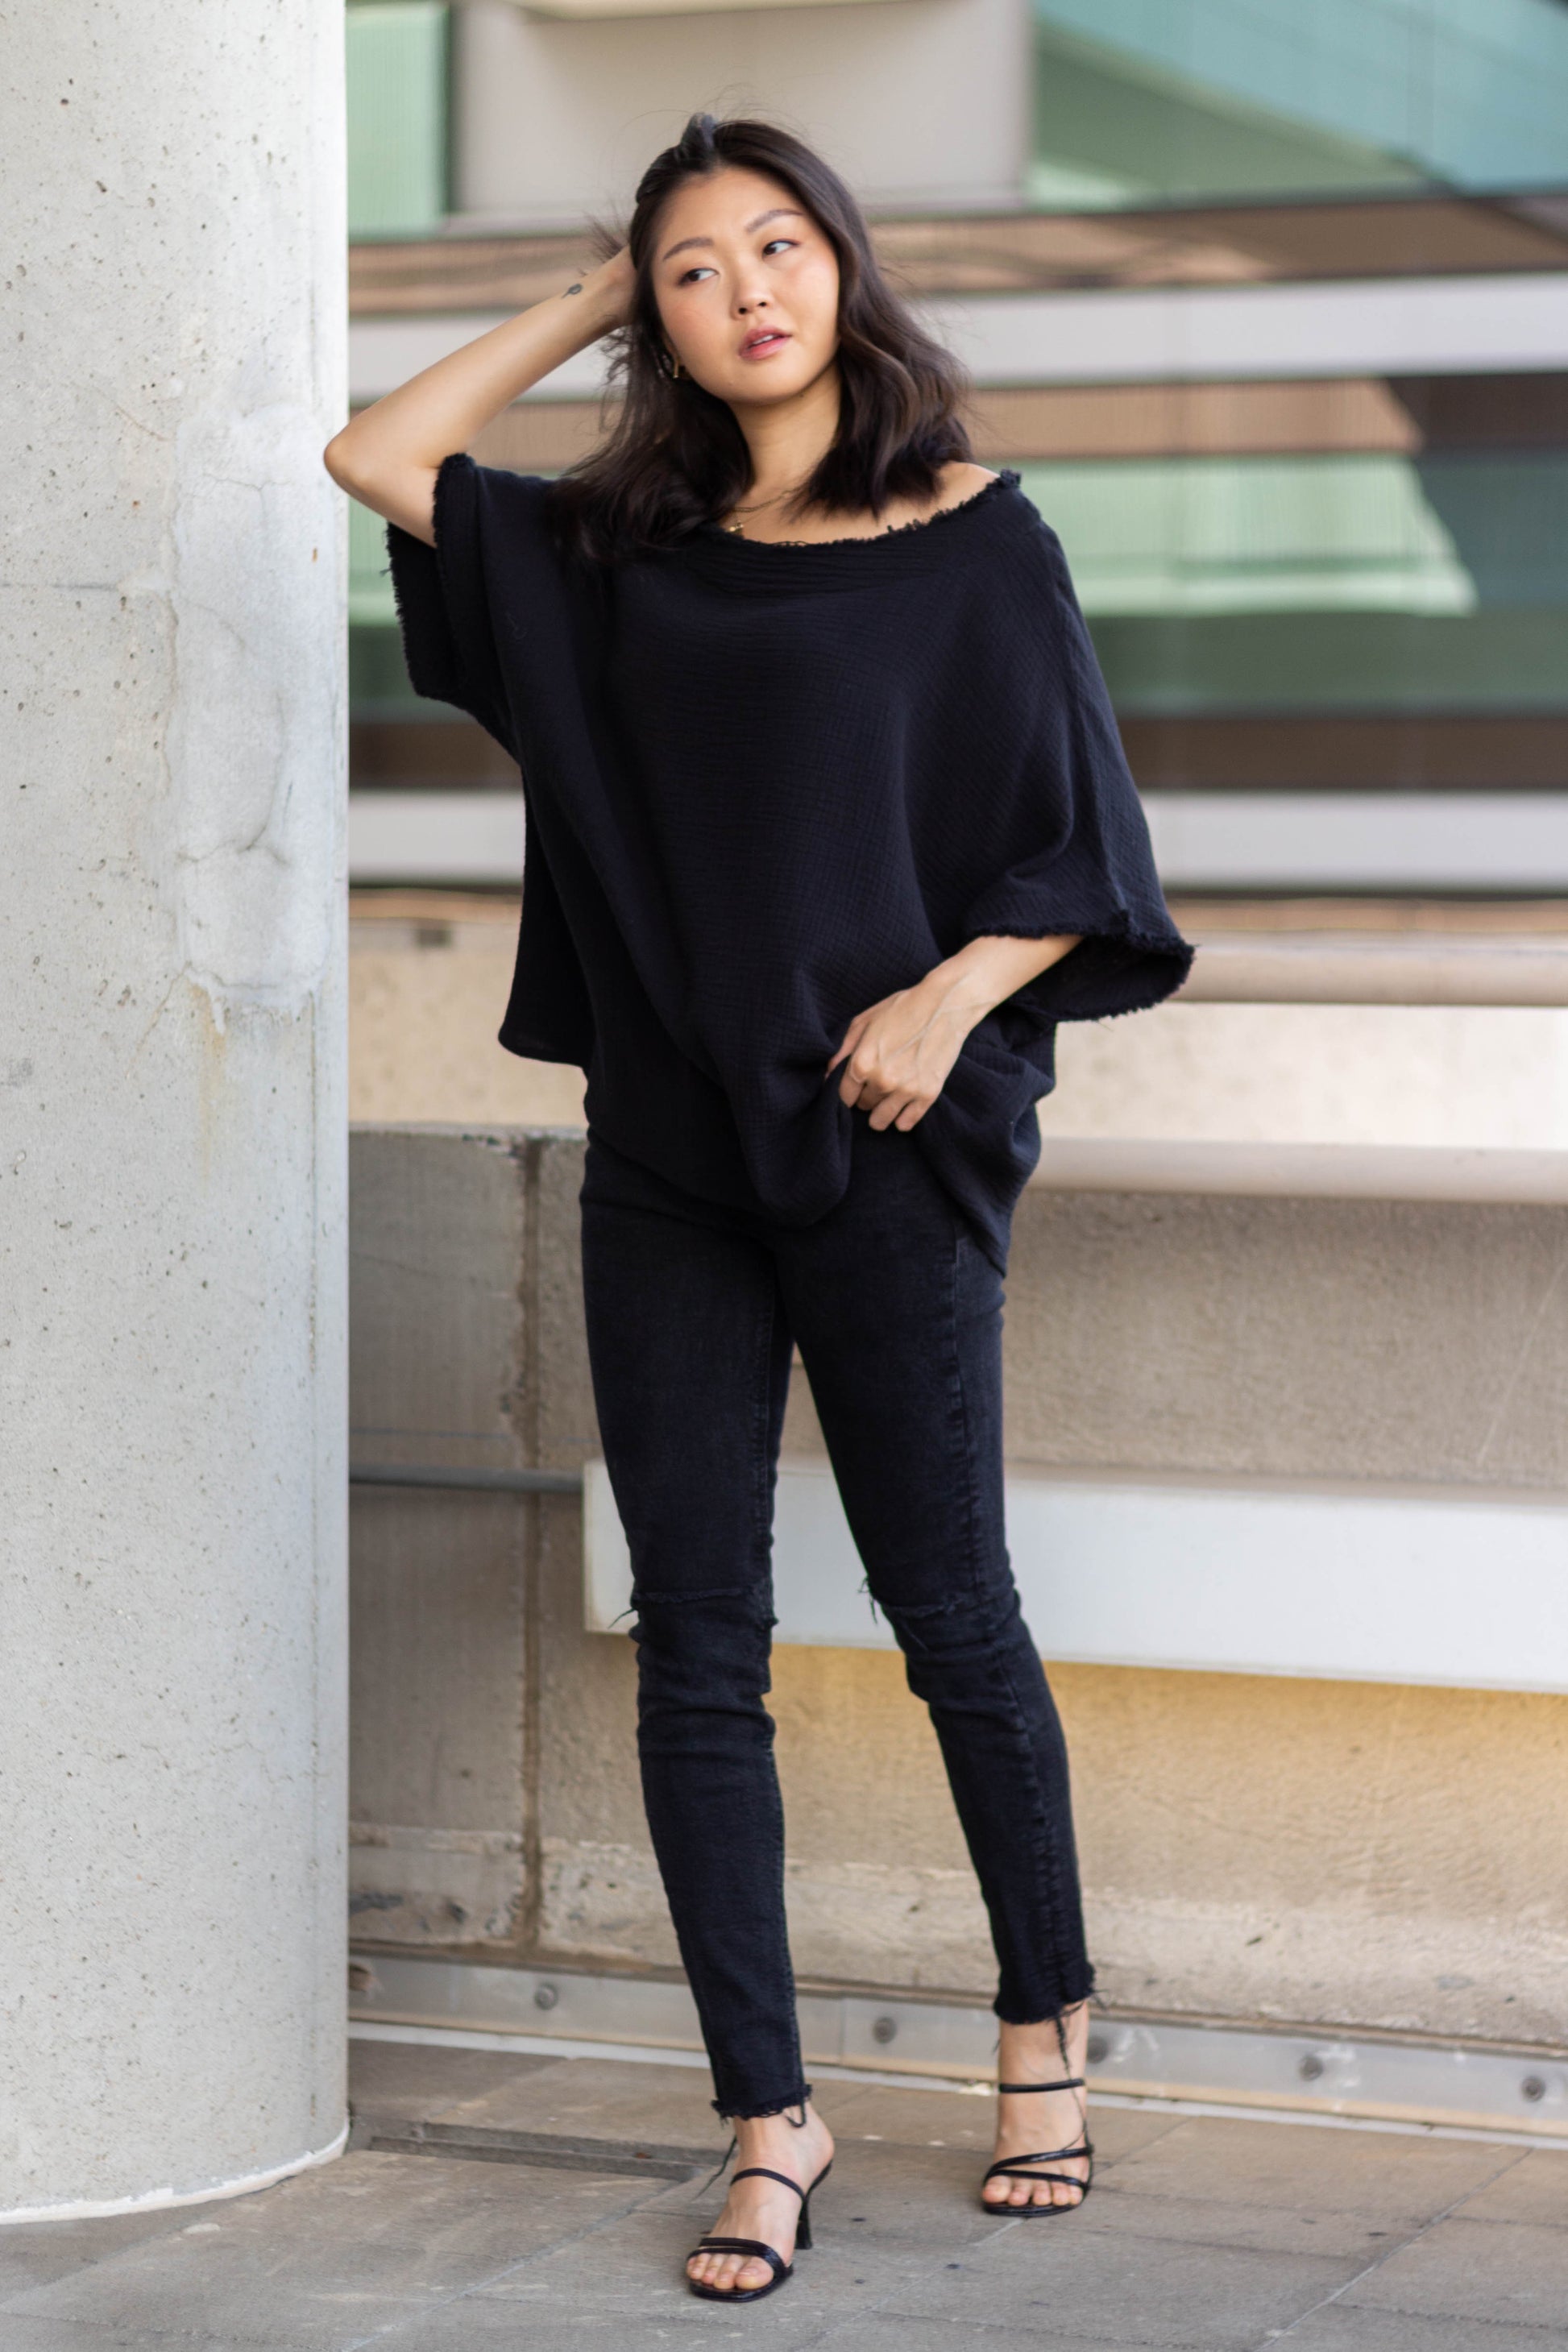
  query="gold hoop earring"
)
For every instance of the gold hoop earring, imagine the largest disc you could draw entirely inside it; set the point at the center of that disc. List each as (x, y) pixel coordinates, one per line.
(675, 368)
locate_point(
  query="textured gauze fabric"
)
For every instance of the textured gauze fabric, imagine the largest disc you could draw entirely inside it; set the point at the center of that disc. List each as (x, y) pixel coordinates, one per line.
(765, 786)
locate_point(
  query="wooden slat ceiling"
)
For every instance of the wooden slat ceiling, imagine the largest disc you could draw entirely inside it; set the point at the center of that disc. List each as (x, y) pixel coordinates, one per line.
(1138, 420)
(1300, 751)
(1039, 252)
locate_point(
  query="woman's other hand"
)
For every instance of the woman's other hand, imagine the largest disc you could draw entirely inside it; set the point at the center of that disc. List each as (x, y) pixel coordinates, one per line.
(898, 1052)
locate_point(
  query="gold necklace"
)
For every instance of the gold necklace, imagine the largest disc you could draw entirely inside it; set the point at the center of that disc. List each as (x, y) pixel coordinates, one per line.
(760, 507)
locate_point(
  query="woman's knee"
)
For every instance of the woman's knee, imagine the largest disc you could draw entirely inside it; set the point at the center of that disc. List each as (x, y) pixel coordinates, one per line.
(967, 1634)
(704, 1650)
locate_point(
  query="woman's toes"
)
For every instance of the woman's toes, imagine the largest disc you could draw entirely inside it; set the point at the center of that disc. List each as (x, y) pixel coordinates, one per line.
(727, 2272)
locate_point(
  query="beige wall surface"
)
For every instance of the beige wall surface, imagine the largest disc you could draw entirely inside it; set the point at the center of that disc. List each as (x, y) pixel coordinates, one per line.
(915, 101)
(1252, 1847)
(428, 996)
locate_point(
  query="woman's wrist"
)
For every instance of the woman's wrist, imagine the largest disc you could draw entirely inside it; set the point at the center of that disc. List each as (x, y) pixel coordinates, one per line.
(968, 985)
(601, 297)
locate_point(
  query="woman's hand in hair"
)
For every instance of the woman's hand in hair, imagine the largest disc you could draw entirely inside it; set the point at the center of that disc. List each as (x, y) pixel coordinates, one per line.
(619, 280)
(388, 455)
(896, 1054)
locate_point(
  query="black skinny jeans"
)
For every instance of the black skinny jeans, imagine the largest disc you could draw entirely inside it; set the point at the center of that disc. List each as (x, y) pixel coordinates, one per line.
(691, 1312)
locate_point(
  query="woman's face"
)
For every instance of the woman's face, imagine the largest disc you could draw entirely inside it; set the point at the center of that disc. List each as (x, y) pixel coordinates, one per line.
(747, 287)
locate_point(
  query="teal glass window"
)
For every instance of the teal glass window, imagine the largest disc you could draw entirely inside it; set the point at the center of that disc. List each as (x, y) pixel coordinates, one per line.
(1178, 102)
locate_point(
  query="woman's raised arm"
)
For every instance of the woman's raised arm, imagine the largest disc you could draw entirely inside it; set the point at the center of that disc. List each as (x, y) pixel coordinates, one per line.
(388, 455)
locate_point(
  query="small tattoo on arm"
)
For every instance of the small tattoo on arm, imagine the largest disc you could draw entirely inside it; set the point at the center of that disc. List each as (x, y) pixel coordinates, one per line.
(571, 289)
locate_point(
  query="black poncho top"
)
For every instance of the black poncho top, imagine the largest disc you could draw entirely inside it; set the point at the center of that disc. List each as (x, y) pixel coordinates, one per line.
(766, 786)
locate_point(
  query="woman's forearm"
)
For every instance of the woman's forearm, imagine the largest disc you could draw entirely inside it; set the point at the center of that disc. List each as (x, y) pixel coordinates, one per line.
(984, 970)
(388, 455)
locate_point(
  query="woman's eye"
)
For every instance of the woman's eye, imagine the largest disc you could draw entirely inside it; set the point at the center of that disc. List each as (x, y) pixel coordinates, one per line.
(772, 241)
(697, 270)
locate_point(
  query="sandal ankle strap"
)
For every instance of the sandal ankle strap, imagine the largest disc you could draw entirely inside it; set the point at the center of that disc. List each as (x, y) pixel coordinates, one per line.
(1068, 2083)
(764, 2172)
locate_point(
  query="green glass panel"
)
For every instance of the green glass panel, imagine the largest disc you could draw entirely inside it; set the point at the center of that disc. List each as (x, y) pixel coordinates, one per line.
(1375, 533)
(1244, 534)
(1251, 584)
(1371, 581)
(1485, 661)
(397, 52)
(370, 580)
(378, 679)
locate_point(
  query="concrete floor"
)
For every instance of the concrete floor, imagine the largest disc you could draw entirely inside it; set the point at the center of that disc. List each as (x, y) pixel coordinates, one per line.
(1202, 2233)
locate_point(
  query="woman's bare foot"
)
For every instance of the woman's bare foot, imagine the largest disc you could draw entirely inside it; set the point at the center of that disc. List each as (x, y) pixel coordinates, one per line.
(1031, 2120)
(763, 2208)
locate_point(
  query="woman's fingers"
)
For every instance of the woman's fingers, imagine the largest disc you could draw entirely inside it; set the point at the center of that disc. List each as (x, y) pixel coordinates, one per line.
(865, 1086)
(851, 1037)
(902, 1110)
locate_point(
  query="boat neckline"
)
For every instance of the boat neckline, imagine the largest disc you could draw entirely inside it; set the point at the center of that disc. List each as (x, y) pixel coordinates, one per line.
(1005, 478)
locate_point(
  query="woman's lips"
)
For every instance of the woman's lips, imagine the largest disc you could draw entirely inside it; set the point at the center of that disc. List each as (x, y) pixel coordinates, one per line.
(760, 347)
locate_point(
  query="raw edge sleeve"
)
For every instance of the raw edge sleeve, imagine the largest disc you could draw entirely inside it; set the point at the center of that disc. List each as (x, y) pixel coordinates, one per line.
(443, 604)
(449, 647)
(1097, 877)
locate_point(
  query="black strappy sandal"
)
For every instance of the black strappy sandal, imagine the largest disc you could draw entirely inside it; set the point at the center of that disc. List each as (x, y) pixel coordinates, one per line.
(754, 2246)
(1016, 2167)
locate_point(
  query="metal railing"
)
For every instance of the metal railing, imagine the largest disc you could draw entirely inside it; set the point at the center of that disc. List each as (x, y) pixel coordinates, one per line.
(478, 1482)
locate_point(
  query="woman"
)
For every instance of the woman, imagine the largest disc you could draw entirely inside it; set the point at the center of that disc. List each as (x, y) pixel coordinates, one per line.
(828, 825)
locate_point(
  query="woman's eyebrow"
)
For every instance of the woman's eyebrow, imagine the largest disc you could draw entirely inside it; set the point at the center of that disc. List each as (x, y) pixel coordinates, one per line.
(779, 211)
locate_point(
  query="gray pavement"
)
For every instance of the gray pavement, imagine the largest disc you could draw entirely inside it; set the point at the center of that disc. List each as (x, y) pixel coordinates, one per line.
(489, 2200)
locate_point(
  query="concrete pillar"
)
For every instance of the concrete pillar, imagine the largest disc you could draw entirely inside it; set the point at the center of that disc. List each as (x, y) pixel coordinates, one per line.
(172, 1151)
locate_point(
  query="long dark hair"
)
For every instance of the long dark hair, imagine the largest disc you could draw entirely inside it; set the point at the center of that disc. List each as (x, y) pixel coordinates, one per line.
(676, 457)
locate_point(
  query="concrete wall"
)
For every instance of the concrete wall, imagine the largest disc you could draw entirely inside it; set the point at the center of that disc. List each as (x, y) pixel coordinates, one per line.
(172, 1719)
(1369, 1854)
(441, 1339)
(916, 102)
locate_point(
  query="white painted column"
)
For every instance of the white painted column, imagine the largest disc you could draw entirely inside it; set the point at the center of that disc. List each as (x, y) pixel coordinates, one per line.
(172, 1088)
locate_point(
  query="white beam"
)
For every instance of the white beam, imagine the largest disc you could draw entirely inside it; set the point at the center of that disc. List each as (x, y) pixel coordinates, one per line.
(1304, 1171)
(1390, 326)
(455, 838)
(1361, 841)
(1355, 1584)
(1244, 841)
